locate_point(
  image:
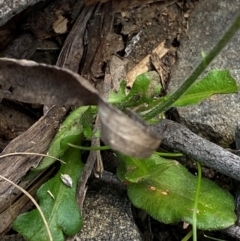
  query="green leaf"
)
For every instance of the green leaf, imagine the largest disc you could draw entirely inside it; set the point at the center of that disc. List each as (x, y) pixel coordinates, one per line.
(117, 97)
(216, 82)
(72, 126)
(68, 139)
(61, 212)
(136, 171)
(87, 120)
(144, 89)
(166, 190)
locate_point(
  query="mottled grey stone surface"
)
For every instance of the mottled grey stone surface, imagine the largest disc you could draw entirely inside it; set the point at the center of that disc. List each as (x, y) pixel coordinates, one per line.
(217, 117)
(9, 8)
(107, 216)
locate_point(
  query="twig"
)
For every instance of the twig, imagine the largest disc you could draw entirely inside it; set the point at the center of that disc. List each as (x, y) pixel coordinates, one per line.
(182, 139)
(87, 169)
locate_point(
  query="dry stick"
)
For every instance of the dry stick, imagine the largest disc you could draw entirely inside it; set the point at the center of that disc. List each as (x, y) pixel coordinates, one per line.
(35, 203)
(82, 189)
(87, 168)
(182, 139)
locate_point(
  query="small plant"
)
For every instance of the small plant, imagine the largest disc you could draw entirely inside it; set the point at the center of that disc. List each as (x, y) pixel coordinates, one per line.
(164, 188)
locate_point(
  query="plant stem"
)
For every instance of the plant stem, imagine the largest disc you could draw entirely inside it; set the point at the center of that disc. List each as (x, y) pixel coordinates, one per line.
(196, 72)
(166, 154)
(91, 148)
(195, 209)
(206, 236)
(188, 236)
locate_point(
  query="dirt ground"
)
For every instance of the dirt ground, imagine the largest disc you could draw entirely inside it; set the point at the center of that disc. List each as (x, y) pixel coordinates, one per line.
(112, 40)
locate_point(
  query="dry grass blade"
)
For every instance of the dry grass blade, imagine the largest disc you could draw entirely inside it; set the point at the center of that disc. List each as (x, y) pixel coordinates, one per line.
(31, 154)
(35, 203)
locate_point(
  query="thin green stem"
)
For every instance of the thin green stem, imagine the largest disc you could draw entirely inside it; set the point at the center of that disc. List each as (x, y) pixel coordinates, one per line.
(197, 71)
(168, 154)
(92, 148)
(188, 236)
(195, 209)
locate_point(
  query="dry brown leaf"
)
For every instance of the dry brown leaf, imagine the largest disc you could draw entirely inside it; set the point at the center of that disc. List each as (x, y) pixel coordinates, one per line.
(126, 135)
(144, 65)
(72, 51)
(60, 25)
(28, 81)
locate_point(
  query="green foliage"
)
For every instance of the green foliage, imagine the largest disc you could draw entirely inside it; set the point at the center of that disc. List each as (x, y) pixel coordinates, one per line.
(166, 190)
(87, 120)
(61, 210)
(215, 82)
(142, 92)
(120, 95)
(163, 188)
(78, 122)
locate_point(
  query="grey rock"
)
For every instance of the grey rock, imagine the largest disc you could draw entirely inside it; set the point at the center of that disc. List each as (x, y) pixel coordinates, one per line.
(9, 8)
(107, 216)
(216, 118)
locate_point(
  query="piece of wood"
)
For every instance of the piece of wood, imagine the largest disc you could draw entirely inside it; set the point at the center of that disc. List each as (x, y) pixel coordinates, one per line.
(182, 139)
(36, 139)
(145, 64)
(120, 5)
(72, 51)
(22, 202)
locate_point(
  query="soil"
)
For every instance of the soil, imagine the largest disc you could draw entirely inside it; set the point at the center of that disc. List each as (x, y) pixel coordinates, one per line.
(101, 51)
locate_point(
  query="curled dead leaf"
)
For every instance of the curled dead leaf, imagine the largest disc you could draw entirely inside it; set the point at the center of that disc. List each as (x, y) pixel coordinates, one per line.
(27, 81)
(124, 134)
